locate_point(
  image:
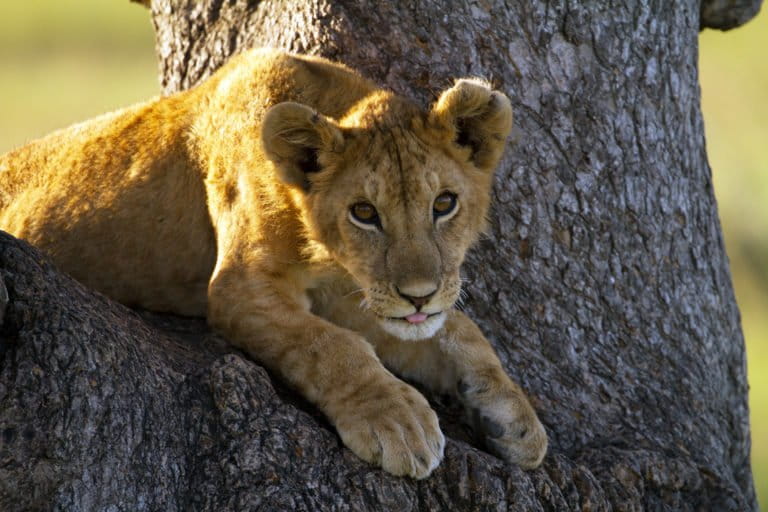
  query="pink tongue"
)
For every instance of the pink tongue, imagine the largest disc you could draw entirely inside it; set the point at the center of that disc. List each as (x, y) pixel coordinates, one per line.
(416, 318)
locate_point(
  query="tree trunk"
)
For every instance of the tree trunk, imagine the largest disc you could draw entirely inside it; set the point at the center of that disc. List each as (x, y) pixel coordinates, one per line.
(603, 283)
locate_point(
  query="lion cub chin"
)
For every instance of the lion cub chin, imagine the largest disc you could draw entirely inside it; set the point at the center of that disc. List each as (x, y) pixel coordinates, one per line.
(318, 222)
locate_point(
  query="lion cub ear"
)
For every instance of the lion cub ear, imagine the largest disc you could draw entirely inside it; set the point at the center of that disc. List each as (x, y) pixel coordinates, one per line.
(293, 135)
(475, 117)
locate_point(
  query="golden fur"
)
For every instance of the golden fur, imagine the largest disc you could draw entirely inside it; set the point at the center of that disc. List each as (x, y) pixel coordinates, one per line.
(236, 200)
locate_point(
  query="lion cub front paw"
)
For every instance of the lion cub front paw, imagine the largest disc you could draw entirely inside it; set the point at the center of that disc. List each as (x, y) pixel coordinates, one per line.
(392, 425)
(502, 415)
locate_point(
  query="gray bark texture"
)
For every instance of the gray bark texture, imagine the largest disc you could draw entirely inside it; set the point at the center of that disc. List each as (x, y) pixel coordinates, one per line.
(603, 283)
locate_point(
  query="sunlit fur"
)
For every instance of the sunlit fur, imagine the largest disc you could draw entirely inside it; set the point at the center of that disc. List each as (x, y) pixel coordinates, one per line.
(231, 200)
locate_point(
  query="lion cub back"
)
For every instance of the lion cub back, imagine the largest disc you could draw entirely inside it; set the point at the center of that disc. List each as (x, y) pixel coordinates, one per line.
(118, 203)
(123, 202)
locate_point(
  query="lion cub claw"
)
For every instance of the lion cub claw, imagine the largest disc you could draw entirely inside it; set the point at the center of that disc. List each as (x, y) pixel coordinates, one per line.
(501, 415)
(394, 427)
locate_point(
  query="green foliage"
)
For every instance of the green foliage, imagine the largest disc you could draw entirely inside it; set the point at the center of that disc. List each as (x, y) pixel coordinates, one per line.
(62, 61)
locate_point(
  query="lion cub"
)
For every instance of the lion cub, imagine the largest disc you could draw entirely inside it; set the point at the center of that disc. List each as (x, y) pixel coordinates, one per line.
(319, 223)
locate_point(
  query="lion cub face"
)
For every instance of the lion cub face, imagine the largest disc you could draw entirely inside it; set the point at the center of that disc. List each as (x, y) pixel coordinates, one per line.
(399, 218)
(396, 195)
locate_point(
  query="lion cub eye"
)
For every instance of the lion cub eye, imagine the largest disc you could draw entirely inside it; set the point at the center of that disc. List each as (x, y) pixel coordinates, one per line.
(365, 216)
(444, 205)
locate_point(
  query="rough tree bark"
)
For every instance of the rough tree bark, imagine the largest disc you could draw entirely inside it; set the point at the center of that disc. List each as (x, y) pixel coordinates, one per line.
(603, 283)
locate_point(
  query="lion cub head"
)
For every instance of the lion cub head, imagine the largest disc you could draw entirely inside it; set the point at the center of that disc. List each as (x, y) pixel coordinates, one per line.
(394, 194)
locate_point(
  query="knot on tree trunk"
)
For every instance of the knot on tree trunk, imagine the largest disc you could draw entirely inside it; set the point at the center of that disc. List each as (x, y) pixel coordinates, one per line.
(727, 14)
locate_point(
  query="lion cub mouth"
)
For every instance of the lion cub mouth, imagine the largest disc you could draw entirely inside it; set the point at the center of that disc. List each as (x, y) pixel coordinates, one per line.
(415, 318)
(416, 326)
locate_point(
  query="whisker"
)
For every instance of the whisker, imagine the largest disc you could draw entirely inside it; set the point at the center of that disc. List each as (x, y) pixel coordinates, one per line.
(359, 290)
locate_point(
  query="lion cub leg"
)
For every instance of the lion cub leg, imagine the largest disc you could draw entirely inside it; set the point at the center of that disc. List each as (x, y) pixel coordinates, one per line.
(460, 360)
(379, 417)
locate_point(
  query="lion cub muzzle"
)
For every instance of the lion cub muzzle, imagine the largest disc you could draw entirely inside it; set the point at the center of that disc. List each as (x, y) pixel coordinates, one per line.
(420, 311)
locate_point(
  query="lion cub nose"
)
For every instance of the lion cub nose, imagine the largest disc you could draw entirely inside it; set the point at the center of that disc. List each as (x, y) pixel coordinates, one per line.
(417, 293)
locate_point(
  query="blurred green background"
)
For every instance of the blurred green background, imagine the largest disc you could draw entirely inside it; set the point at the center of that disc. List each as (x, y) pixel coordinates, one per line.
(733, 70)
(62, 61)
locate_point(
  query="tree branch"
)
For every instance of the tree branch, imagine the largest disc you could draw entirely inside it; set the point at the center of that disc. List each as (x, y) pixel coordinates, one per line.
(100, 406)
